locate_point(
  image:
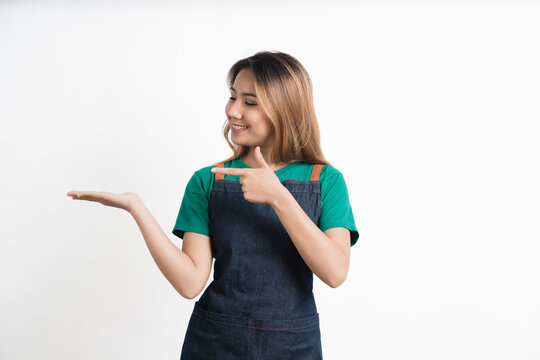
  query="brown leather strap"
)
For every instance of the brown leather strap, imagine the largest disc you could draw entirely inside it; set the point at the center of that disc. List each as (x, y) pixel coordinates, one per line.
(315, 172)
(219, 176)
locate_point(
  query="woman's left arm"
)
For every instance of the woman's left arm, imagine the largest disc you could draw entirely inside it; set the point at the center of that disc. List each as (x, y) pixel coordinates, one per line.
(327, 253)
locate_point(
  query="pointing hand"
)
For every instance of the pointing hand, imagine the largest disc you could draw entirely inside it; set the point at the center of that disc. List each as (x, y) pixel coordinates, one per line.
(260, 184)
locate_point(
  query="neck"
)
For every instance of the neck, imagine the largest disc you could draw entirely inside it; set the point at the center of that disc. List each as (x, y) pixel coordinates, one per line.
(249, 159)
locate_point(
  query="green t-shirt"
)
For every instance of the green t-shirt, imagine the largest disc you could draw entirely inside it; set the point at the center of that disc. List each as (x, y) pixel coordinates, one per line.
(336, 210)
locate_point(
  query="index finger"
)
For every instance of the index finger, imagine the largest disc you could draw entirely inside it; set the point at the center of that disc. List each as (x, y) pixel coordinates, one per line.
(229, 171)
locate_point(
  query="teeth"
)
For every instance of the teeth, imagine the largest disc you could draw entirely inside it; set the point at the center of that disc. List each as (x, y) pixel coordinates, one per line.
(239, 127)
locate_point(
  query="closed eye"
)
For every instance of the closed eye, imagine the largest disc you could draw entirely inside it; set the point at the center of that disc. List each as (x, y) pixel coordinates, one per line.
(245, 102)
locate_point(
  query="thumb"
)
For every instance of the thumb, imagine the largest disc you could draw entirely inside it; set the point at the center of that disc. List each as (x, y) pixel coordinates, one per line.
(260, 158)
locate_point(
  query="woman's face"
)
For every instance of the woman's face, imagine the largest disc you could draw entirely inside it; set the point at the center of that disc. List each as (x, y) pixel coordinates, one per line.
(243, 109)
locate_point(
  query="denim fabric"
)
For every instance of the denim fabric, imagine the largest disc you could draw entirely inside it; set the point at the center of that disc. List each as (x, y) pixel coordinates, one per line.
(260, 304)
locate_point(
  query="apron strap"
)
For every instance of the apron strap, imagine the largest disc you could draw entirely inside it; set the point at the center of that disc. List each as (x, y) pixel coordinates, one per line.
(220, 176)
(315, 172)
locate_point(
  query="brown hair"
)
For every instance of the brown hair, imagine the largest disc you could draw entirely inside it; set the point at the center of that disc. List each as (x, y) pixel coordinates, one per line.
(284, 91)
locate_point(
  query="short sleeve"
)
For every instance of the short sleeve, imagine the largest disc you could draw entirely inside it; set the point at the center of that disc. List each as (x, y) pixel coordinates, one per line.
(193, 213)
(336, 210)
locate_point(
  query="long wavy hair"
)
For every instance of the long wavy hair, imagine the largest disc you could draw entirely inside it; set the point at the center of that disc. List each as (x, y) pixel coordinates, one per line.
(284, 91)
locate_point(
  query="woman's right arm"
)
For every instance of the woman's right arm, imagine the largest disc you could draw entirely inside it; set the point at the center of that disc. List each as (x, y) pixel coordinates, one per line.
(188, 269)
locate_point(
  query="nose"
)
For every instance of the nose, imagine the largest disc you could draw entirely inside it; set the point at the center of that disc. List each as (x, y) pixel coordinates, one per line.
(233, 111)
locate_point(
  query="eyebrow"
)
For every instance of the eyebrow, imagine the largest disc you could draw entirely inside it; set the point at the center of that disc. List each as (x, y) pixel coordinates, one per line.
(244, 93)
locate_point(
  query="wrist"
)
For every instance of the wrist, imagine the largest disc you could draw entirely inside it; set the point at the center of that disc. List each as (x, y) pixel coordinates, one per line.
(135, 205)
(281, 197)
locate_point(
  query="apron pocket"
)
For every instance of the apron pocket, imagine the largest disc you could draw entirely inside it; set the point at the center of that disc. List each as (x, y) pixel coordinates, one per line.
(288, 339)
(259, 324)
(215, 334)
(207, 339)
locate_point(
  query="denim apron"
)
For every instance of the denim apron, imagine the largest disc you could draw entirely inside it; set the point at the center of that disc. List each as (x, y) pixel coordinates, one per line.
(260, 304)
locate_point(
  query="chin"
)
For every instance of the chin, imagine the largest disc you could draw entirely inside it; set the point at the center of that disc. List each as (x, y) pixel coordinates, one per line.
(239, 143)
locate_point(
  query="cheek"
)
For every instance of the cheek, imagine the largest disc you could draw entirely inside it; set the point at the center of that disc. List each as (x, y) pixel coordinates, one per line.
(259, 118)
(268, 126)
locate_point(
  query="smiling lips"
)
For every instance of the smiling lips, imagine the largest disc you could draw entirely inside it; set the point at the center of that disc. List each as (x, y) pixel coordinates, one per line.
(238, 128)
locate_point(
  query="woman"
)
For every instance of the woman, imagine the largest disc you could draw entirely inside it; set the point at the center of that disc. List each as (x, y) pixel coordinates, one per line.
(271, 215)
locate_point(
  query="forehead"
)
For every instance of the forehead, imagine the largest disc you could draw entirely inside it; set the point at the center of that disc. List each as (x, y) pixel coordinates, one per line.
(244, 80)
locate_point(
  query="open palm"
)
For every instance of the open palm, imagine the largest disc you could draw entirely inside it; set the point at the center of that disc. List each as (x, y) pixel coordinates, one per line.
(123, 201)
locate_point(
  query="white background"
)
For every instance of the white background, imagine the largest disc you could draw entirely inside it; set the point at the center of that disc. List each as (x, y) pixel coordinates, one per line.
(430, 109)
